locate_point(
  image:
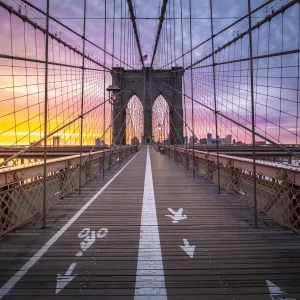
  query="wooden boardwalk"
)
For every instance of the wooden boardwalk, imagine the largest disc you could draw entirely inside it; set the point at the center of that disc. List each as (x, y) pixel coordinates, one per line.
(195, 244)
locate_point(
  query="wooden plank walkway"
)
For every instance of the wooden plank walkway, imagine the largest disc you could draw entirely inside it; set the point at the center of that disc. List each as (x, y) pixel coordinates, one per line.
(105, 249)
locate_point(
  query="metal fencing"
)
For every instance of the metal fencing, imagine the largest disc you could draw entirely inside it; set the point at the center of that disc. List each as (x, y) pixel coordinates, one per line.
(278, 185)
(22, 187)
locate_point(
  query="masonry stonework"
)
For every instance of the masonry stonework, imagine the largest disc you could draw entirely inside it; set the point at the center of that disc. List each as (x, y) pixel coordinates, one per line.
(147, 84)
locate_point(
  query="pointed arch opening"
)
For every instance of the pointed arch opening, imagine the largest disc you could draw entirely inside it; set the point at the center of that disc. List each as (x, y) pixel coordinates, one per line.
(134, 121)
(161, 121)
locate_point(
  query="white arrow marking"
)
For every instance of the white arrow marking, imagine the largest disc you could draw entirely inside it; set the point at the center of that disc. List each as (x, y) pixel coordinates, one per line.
(276, 293)
(177, 215)
(63, 280)
(188, 249)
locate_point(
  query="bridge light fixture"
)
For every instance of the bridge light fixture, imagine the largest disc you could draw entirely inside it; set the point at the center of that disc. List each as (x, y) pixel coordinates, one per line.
(113, 89)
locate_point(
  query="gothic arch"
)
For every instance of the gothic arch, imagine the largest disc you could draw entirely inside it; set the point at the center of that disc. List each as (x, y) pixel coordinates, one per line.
(134, 120)
(147, 84)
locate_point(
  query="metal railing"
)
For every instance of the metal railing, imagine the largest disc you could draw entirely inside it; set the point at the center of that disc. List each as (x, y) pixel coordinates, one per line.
(21, 187)
(277, 189)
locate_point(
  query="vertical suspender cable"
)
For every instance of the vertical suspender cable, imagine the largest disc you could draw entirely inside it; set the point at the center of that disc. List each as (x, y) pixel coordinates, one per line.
(182, 49)
(82, 95)
(46, 118)
(121, 33)
(174, 32)
(113, 49)
(192, 89)
(104, 94)
(252, 113)
(215, 95)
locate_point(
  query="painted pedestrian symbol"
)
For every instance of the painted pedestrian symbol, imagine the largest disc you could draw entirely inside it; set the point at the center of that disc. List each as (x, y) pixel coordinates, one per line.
(189, 250)
(89, 237)
(276, 293)
(63, 280)
(176, 215)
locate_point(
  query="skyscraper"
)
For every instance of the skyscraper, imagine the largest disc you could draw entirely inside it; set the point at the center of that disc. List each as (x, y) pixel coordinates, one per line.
(209, 138)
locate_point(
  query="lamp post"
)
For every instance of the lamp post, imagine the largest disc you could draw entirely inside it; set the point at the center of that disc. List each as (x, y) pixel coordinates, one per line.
(159, 130)
(112, 91)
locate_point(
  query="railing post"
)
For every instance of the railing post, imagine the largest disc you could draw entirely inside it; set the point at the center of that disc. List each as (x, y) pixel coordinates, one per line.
(110, 154)
(46, 118)
(174, 153)
(192, 90)
(215, 95)
(104, 102)
(82, 95)
(187, 160)
(252, 113)
(103, 162)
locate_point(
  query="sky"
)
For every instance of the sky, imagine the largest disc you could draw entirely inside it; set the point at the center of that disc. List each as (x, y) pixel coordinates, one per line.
(22, 84)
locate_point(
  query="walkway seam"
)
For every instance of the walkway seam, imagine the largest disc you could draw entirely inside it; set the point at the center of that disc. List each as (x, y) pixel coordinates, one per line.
(150, 279)
(23, 270)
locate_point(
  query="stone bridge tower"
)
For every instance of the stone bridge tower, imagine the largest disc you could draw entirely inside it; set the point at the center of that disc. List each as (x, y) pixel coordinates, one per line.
(147, 84)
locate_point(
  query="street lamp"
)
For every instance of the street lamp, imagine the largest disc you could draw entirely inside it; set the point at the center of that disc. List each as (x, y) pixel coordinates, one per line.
(159, 130)
(113, 89)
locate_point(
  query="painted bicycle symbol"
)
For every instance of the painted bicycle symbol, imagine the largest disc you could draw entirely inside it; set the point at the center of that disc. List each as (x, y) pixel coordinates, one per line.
(89, 237)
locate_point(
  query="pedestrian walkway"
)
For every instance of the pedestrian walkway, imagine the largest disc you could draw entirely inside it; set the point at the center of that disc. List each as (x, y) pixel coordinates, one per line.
(150, 231)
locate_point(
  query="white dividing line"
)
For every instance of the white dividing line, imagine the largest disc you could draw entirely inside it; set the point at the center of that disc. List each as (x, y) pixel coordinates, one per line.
(150, 279)
(23, 270)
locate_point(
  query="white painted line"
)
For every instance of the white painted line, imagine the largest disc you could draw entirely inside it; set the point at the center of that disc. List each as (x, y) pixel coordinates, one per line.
(23, 270)
(150, 279)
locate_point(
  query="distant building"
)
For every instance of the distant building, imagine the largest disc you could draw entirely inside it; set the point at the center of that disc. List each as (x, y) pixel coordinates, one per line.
(56, 141)
(167, 141)
(135, 141)
(203, 141)
(185, 139)
(37, 145)
(226, 140)
(260, 143)
(191, 140)
(209, 138)
(99, 142)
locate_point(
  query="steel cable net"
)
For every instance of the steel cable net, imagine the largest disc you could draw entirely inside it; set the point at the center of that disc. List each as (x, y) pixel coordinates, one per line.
(223, 109)
(57, 98)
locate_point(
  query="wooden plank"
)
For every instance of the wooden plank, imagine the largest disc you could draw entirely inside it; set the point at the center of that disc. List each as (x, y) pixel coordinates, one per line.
(110, 210)
(231, 258)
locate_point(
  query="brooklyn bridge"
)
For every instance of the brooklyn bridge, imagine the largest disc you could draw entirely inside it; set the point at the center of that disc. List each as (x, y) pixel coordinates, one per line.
(150, 149)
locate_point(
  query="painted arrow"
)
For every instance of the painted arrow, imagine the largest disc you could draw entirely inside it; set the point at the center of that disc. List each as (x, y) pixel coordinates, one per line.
(176, 215)
(63, 280)
(276, 293)
(189, 250)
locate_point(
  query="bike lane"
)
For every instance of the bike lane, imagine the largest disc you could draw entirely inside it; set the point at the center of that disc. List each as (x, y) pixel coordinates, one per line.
(95, 253)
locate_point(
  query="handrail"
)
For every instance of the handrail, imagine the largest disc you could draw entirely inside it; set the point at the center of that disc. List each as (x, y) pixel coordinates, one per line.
(287, 173)
(14, 174)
